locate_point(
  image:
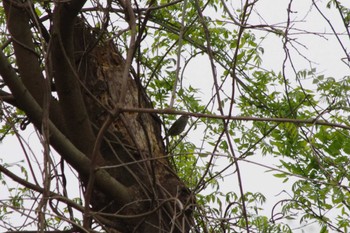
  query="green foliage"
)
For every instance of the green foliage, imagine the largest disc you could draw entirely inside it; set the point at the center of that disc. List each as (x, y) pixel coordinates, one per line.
(312, 158)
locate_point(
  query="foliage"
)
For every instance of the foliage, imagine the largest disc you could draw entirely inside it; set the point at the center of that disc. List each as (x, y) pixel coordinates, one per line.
(290, 119)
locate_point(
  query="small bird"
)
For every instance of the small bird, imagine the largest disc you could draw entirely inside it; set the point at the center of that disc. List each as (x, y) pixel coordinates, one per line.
(178, 126)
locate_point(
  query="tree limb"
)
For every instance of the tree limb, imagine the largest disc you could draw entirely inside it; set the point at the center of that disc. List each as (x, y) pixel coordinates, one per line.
(65, 148)
(27, 59)
(67, 79)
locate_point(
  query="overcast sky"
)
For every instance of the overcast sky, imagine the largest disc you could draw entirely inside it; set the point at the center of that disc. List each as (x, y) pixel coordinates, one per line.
(325, 54)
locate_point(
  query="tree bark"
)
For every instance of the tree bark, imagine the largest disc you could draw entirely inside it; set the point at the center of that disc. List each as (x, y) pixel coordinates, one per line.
(133, 182)
(133, 147)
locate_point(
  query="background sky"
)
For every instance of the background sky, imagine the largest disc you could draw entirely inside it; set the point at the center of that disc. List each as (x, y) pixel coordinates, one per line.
(324, 53)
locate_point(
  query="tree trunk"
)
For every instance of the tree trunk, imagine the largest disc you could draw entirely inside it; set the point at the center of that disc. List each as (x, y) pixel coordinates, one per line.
(132, 148)
(119, 156)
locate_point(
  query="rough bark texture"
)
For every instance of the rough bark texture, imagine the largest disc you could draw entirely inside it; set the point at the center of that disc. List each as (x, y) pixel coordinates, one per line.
(88, 74)
(133, 147)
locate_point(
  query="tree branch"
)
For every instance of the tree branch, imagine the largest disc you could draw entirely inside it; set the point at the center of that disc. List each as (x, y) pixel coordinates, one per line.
(67, 79)
(27, 59)
(64, 147)
(238, 118)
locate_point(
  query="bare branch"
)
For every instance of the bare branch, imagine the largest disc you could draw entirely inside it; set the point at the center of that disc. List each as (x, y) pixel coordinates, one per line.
(68, 151)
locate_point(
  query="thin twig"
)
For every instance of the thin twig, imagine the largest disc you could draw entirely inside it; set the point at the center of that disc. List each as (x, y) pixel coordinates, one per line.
(236, 118)
(178, 63)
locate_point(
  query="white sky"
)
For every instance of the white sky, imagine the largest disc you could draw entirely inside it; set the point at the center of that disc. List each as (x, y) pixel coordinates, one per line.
(324, 52)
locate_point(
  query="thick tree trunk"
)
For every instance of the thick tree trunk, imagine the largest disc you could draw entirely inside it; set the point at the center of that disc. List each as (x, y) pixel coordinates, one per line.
(132, 148)
(88, 76)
